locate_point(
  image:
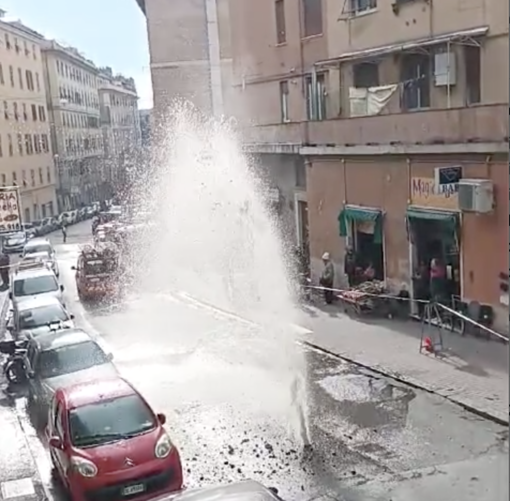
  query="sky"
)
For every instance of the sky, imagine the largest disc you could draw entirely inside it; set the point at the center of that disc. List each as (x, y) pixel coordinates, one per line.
(110, 32)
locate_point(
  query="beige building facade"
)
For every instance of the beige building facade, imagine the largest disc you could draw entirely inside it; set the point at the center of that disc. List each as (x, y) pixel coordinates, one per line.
(120, 125)
(73, 102)
(190, 54)
(26, 158)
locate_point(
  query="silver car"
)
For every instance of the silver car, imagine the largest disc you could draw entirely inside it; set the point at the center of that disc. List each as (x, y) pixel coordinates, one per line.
(60, 359)
(247, 490)
(41, 248)
(40, 315)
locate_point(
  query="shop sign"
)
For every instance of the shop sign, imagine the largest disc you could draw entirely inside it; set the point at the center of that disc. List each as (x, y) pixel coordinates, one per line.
(426, 193)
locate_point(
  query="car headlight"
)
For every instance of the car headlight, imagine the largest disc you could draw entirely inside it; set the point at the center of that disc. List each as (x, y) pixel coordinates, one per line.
(84, 467)
(163, 446)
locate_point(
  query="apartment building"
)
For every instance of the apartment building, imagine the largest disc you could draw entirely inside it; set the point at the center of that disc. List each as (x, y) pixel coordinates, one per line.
(189, 44)
(26, 158)
(120, 125)
(384, 125)
(73, 102)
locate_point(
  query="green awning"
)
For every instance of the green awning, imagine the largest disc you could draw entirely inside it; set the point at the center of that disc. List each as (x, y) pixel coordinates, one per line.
(415, 213)
(357, 214)
(448, 222)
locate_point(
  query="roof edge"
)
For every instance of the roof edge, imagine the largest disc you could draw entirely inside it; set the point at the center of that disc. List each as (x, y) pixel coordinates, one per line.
(141, 4)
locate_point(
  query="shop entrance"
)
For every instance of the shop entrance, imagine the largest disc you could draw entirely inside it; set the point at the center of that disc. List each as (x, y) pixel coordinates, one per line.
(434, 235)
(363, 228)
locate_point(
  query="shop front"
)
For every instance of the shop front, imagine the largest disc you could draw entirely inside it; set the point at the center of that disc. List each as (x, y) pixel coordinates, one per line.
(363, 229)
(434, 234)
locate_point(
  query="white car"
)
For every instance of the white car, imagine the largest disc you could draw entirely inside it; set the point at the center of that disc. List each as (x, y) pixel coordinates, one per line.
(40, 315)
(41, 248)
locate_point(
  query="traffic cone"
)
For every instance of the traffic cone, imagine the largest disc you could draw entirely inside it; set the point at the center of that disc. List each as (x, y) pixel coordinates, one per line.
(427, 345)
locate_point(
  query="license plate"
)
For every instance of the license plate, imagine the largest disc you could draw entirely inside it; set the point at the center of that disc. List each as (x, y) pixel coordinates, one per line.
(133, 489)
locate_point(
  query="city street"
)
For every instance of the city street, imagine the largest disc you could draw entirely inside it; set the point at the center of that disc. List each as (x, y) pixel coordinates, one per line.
(233, 414)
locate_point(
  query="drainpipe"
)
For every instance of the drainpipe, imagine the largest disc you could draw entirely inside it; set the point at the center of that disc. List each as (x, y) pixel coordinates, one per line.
(213, 45)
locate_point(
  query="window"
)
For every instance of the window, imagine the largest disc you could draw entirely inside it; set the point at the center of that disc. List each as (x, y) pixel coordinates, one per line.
(17, 48)
(2, 79)
(24, 111)
(30, 80)
(11, 75)
(20, 78)
(34, 52)
(37, 143)
(32, 177)
(110, 420)
(41, 177)
(69, 359)
(312, 17)
(48, 178)
(37, 82)
(316, 98)
(41, 316)
(1, 148)
(357, 6)
(25, 48)
(284, 101)
(10, 145)
(15, 111)
(34, 112)
(20, 144)
(281, 35)
(415, 74)
(42, 114)
(44, 143)
(7, 42)
(365, 75)
(6, 110)
(472, 64)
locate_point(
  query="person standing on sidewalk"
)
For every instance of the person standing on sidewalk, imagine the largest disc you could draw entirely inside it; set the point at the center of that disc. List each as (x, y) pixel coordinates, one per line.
(327, 279)
(64, 232)
(350, 267)
(5, 263)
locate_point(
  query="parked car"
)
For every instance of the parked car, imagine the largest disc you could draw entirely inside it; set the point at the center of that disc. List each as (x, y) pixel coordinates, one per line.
(41, 248)
(60, 359)
(13, 243)
(38, 228)
(115, 443)
(36, 281)
(247, 490)
(40, 315)
(29, 229)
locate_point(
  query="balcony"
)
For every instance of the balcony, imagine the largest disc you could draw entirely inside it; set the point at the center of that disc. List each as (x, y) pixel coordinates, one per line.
(283, 138)
(479, 124)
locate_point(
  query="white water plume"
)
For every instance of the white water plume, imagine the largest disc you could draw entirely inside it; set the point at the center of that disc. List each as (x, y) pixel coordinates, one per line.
(215, 239)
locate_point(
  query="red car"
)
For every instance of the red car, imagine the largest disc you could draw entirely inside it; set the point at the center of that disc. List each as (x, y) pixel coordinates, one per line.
(107, 444)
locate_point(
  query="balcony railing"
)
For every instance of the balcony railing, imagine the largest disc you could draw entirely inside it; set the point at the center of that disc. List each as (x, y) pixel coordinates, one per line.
(478, 124)
(448, 126)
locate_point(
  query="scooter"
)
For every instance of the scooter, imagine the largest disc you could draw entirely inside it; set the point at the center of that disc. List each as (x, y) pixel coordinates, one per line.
(15, 367)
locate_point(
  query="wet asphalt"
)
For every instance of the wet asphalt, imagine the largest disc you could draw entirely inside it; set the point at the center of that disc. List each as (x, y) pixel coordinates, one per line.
(231, 412)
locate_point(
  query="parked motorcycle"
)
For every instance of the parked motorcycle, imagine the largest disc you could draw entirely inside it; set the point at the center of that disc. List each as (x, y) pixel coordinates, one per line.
(14, 367)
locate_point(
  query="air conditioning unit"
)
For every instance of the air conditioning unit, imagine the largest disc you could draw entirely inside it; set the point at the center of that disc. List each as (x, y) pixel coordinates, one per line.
(476, 195)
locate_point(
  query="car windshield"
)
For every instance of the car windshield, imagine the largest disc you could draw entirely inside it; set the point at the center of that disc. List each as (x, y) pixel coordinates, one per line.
(69, 359)
(43, 315)
(96, 267)
(110, 420)
(33, 249)
(35, 285)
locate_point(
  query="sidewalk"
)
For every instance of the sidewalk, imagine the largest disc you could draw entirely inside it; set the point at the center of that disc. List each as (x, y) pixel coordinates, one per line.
(474, 372)
(19, 478)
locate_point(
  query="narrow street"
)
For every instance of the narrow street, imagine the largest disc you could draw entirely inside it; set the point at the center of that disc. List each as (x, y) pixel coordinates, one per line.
(231, 413)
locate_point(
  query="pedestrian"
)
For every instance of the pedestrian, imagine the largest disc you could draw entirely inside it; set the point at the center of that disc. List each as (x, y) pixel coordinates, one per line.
(5, 262)
(64, 232)
(350, 267)
(437, 280)
(327, 279)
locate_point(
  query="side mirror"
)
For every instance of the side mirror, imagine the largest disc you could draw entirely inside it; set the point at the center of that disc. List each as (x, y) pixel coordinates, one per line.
(161, 418)
(56, 443)
(73, 268)
(10, 296)
(61, 288)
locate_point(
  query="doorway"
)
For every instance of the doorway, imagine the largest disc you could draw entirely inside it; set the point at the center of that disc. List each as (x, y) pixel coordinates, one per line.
(435, 235)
